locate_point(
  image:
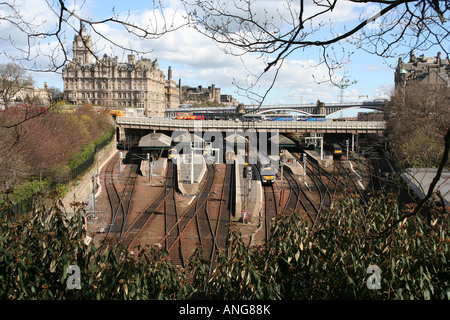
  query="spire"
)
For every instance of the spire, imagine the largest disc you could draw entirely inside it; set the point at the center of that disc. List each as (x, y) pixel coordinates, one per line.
(82, 29)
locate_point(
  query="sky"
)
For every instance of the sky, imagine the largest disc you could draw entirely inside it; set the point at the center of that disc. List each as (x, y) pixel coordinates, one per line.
(197, 60)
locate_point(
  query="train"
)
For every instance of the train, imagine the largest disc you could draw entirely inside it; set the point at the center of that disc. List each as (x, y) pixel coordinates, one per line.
(267, 169)
(311, 118)
(189, 116)
(282, 117)
(336, 150)
(279, 117)
(173, 154)
(268, 175)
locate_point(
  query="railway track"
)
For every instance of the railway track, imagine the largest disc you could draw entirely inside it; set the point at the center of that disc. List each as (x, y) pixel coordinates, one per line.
(111, 190)
(353, 184)
(211, 227)
(171, 221)
(341, 181)
(143, 219)
(379, 168)
(205, 230)
(310, 207)
(172, 240)
(293, 200)
(270, 206)
(332, 183)
(119, 198)
(223, 220)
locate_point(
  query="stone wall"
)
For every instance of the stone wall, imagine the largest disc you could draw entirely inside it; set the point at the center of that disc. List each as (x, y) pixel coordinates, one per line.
(81, 189)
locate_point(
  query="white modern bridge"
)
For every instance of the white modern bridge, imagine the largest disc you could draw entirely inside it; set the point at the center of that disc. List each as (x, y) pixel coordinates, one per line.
(310, 108)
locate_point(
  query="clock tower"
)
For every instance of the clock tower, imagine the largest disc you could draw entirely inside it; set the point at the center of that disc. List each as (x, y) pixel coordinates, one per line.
(82, 48)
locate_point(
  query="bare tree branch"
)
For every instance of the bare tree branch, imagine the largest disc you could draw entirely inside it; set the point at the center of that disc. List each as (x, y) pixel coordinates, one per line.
(245, 27)
(40, 32)
(431, 188)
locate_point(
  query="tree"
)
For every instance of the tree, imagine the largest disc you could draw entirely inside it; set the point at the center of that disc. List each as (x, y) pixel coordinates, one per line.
(13, 80)
(43, 146)
(352, 238)
(56, 95)
(420, 119)
(46, 37)
(332, 262)
(387, 28)
(384, 28)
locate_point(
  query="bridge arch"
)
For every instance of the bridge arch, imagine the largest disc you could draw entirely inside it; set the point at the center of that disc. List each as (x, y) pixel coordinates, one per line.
(371, 108)
(284, 110)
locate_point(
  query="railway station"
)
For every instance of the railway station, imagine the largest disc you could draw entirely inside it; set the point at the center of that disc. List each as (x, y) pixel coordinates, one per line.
(189, 182)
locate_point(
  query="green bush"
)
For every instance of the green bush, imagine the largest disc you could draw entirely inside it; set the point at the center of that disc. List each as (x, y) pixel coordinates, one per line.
(331, 262)
(82, 156)
(88, 151)
(26, 189)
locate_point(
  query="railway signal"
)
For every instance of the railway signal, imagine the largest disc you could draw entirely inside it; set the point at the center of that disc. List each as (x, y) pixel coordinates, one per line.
(249, 172)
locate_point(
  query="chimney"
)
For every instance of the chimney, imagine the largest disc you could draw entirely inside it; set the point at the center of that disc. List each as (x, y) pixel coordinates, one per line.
(169, 73)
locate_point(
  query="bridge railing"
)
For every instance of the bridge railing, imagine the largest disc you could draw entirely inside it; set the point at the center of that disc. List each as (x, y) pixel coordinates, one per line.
(222, 125)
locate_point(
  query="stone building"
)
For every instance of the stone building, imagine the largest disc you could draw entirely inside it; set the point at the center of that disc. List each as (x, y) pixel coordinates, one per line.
(211, 94)
(192, 95)
(173, 91)
(433, 71)
(110, 83)
(33, 94)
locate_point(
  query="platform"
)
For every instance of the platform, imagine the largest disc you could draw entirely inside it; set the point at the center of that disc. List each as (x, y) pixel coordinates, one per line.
(157, 168)
(327, 157)
(186, 185)
(292, 163)
(248, 199)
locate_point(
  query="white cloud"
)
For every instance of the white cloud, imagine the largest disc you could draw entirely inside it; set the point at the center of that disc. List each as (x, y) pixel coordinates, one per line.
(195, 58)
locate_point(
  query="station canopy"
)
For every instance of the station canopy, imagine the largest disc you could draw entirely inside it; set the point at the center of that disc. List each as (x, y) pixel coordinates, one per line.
(155, 141)
(184, 138)
(283, 141)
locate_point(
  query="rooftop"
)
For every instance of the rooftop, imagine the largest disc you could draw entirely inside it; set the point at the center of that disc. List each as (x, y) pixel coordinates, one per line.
(155, 141)
(419, 180)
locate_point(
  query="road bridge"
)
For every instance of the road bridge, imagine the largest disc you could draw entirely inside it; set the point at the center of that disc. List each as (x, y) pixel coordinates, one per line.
(128, 124)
